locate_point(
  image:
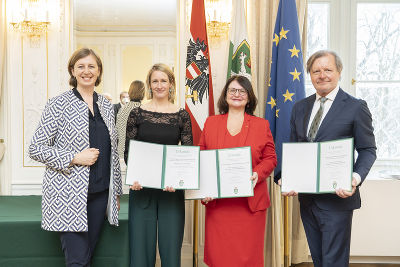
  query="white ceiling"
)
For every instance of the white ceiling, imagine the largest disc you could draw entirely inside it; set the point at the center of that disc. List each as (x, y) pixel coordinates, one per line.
(125, 15)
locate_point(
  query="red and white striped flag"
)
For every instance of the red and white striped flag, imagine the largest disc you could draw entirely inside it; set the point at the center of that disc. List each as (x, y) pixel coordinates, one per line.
(198, 82)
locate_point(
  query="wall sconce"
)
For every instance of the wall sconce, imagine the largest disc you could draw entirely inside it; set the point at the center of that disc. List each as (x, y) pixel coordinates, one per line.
(31, 19)
(218, 16)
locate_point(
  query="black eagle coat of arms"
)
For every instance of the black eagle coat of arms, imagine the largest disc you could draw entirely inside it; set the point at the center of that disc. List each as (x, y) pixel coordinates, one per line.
(197, 70)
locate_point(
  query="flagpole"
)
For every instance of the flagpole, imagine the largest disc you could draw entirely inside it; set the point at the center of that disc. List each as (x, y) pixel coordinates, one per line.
(286, 232)
(196, 234)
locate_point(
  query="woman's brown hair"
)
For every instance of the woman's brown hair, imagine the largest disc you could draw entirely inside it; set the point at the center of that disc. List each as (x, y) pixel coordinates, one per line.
(81, 53)
(251, 105)
(136, 91)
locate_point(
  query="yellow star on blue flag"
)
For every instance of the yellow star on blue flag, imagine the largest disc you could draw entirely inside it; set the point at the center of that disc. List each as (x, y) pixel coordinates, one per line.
(287, 65)
(272, 102)
(295, 51)
(288, 96)
(296, 75)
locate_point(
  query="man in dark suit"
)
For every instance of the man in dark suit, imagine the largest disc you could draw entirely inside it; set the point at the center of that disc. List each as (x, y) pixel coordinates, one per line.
(332, 114)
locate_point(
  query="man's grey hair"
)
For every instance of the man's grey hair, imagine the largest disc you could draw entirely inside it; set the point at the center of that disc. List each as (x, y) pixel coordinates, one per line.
(323, 53)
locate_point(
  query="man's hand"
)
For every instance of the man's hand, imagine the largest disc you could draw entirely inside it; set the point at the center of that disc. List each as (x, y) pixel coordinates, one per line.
(345, 194)
(287, 194)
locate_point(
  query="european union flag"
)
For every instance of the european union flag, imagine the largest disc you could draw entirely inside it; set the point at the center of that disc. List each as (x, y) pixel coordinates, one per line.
(286, 83)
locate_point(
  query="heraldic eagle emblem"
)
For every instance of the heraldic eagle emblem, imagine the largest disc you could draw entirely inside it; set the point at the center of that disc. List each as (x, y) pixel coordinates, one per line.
(197, 71)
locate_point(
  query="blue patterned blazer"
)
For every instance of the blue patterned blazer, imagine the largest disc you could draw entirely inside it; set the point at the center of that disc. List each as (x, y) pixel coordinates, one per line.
(63, 131)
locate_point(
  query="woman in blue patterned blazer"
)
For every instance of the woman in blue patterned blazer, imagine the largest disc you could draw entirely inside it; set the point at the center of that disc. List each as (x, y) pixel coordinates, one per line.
(77, 141)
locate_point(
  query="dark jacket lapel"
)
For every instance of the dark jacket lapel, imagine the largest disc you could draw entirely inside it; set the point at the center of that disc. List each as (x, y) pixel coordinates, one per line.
(308, 108)
(337, 107)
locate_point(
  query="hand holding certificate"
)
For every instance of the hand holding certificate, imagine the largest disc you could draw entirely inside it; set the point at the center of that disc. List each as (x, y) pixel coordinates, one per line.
(224, 173)
(317, 167)
(163, 166)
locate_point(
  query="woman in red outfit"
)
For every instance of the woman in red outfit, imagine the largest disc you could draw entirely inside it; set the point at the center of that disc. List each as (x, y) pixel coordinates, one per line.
(235, 227)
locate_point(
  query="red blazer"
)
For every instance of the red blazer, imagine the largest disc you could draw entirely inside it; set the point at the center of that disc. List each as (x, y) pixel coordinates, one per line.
(258, 136)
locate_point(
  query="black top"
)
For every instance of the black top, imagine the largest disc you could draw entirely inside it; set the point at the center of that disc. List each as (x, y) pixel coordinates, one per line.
(99, 137)
(159, 128)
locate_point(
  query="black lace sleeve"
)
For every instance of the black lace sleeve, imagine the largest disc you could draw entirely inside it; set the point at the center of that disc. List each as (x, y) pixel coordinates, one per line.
(186, 128)
(131, 130)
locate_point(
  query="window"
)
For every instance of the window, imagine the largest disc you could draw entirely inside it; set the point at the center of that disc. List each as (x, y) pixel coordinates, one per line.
(378, 72)
(317, 34)
(366, 35)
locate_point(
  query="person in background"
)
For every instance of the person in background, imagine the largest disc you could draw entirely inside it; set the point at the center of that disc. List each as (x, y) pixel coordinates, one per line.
(332, 114)
(136, 95)
(156, 214)
(235, 227)
(124, 99)
(77, 142)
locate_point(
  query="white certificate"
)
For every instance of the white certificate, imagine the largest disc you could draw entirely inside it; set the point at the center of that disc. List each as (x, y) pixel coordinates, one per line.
(158, 166)
(317, 167)
(235, 171)
(208, 177)
(224, 173)
(145, 164)
(336, 165)
(182, 167)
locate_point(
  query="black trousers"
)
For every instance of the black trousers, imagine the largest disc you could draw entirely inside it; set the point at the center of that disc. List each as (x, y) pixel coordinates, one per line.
(328, 234)
(78, 247)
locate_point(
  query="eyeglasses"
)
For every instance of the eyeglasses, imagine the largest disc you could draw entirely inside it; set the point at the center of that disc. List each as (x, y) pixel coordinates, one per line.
(241, 91)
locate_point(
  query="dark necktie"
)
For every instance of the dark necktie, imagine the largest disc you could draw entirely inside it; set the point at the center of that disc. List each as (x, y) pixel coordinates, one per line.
(317, 119)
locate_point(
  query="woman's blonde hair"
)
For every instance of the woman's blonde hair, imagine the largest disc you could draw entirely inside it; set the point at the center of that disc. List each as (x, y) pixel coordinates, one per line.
(163, 68)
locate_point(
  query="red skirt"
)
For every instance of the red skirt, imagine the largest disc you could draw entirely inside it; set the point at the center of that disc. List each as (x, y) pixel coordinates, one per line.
(234, 236)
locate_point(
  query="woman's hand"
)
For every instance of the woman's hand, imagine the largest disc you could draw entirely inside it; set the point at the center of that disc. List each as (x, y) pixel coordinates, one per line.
(254, 179)
(287, 194)
(118, 203)
(207, 199)
(86, 157)
(136, 186)
(169, 189)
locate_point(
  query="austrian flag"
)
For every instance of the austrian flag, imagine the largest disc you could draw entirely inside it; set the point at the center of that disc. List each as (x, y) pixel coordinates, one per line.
(192, 71)
(199, 94)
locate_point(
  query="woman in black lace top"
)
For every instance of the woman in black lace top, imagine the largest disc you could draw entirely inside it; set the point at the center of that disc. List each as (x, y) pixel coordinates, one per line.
(155, 213)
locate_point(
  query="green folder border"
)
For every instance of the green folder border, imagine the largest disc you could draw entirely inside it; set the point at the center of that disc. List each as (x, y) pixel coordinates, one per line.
(216, 166)
(163, 164)
(218, 173)
(251, 172)
(198, 167)
(130, 142)
(317, 191)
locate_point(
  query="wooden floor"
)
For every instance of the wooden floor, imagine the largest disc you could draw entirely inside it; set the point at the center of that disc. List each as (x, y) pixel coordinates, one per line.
(352, 265)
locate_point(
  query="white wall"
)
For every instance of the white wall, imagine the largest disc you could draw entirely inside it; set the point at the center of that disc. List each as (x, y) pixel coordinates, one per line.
(376, 226)
(35, 72)
(128, 56)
